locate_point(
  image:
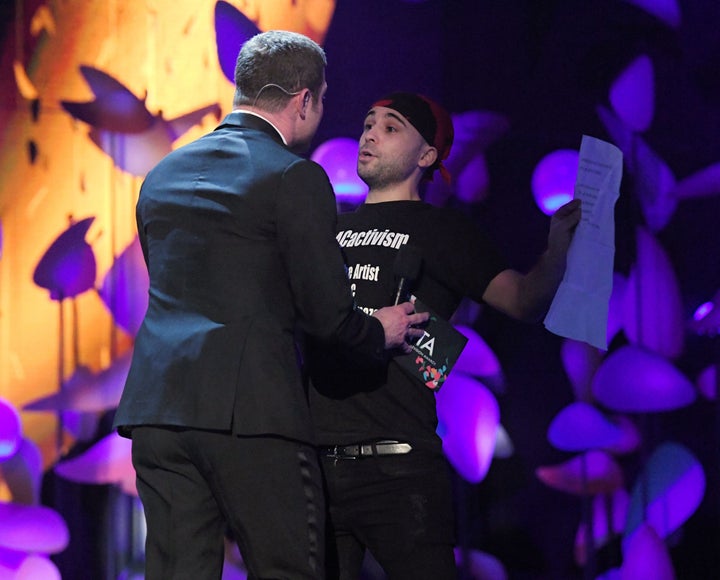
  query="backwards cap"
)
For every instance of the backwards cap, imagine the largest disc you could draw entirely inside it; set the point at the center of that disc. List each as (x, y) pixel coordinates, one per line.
(431, 120)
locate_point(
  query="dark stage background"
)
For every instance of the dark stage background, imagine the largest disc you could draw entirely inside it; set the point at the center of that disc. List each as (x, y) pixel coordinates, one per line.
(546, 66)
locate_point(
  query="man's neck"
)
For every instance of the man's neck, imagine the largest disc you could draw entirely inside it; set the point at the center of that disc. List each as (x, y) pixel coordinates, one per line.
(277, 121)
(392, 194)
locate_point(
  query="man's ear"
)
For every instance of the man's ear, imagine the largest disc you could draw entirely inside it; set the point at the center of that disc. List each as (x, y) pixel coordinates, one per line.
(428, 157)
(303, 98)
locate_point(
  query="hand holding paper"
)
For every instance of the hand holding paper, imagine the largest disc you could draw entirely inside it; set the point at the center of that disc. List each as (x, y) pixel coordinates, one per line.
(580, 307)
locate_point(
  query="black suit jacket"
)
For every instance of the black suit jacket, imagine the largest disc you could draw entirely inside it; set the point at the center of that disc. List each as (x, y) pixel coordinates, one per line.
(238, 235)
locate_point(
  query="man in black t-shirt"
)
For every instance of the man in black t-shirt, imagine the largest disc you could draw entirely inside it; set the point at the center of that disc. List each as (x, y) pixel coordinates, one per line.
(387, 481)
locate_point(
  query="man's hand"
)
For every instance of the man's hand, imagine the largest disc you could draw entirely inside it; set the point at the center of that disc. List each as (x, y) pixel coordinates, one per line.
(562, 226)
(398, 322)
(527, 297)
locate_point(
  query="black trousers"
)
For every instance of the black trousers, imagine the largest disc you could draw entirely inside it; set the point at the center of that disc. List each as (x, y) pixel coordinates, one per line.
(399, 507)
(195, 485)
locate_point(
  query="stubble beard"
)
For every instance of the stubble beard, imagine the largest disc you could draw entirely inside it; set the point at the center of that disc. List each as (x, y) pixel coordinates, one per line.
(380, 177)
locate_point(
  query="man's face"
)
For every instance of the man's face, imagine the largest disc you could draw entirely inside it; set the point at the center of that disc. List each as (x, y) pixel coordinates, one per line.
(390, 148)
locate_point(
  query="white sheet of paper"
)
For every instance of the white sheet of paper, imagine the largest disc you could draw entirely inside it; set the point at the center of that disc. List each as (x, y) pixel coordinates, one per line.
(580, 307)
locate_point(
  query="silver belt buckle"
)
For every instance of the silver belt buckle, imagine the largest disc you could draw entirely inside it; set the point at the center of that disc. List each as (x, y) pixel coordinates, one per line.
(335, 456)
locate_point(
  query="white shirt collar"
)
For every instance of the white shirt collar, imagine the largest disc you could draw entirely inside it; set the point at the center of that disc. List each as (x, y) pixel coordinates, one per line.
(246, 112)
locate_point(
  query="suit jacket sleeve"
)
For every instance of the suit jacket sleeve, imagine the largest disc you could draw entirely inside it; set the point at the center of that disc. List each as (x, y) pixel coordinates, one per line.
(306, 226)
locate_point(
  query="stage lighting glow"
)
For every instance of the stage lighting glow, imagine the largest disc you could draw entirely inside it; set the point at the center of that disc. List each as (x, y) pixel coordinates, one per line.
(590, 473)
(553, 181)
(474, 180)
(232, 29)
(608, 518)
(703, 310)
(22, 474)
(580, 427)
(580, 361)
(338, 157)
(647, 556)
(108, 461)
(32, 528)
(703, 183)
(125, 288)
(22, 566)
(632, 94)
(706, 318)
(90, 392)
(653, 310)
(468, 419)
(477, 358)
(10, 431)
(666, 10)
(707, 382)
(635, 380)
(114, 107)
(68, 266)
(667, 493)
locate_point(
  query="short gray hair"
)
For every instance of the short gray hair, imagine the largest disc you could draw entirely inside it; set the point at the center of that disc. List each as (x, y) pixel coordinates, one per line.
(274, 66)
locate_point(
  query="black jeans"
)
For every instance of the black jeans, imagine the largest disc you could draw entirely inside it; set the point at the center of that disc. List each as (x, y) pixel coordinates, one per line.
(399, 507)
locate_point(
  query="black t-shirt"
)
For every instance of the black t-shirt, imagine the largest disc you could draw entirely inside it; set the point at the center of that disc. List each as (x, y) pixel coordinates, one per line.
(352, 401)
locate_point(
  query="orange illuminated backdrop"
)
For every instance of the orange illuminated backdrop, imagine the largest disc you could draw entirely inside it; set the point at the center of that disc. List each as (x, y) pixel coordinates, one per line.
(52, 174)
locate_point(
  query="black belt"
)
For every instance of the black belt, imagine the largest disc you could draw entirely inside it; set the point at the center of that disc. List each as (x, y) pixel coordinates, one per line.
(371, 449)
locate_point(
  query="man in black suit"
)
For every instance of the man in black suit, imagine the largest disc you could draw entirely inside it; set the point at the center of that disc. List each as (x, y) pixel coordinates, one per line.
(238, 233)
